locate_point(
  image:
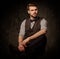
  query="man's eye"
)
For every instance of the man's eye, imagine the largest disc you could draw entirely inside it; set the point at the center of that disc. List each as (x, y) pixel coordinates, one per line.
(35, 9)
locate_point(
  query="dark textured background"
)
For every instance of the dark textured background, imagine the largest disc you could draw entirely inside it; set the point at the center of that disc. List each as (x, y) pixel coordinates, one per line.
(13, 13)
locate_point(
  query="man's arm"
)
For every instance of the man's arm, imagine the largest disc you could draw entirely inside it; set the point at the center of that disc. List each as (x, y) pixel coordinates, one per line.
(43, 30)
(21, 36)
(39, 33)
(22, 32)
(20, 39)
(20, 46)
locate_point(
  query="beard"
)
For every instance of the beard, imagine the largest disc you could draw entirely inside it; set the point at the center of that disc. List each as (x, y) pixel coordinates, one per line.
(34, 15)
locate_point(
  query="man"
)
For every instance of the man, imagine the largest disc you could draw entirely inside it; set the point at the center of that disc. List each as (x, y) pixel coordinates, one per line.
(32, 35)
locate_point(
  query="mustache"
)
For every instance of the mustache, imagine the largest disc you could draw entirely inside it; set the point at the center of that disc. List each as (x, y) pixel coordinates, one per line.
(34, 13)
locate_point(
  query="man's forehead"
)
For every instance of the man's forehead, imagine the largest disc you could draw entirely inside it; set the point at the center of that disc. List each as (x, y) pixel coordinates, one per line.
(32, 7)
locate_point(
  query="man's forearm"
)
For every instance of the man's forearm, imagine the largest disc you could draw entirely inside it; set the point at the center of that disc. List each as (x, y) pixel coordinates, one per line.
(20, 39)
(39, 33)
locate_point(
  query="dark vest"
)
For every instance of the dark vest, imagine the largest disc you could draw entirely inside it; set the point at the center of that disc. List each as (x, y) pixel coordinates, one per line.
(36, 28)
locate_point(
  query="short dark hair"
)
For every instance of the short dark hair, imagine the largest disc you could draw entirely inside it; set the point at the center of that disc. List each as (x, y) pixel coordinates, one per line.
(32, 4)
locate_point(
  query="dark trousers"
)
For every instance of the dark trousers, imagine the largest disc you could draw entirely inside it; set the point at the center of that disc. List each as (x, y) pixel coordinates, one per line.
(32, 51)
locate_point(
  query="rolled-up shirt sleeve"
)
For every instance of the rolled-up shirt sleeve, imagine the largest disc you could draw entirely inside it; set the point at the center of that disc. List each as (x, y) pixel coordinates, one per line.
(43, 24)
(22, 29)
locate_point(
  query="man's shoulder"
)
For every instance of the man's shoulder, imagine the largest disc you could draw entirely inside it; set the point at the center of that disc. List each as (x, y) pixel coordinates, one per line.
(24, 20)
(42, 19)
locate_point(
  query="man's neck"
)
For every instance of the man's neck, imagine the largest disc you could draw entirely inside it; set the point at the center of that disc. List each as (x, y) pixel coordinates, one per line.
(32, 18)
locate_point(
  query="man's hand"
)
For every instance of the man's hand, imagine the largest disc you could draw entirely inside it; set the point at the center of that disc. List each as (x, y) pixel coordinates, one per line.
(21, 48)
(25, 41)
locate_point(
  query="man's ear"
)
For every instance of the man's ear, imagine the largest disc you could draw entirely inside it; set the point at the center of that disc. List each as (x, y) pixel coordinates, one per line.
(28, 12)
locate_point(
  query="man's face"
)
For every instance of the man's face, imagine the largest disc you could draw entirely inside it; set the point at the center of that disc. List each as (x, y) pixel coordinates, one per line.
(33, 11)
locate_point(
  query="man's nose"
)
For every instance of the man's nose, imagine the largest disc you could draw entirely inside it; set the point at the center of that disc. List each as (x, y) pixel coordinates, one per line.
(35, 11)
